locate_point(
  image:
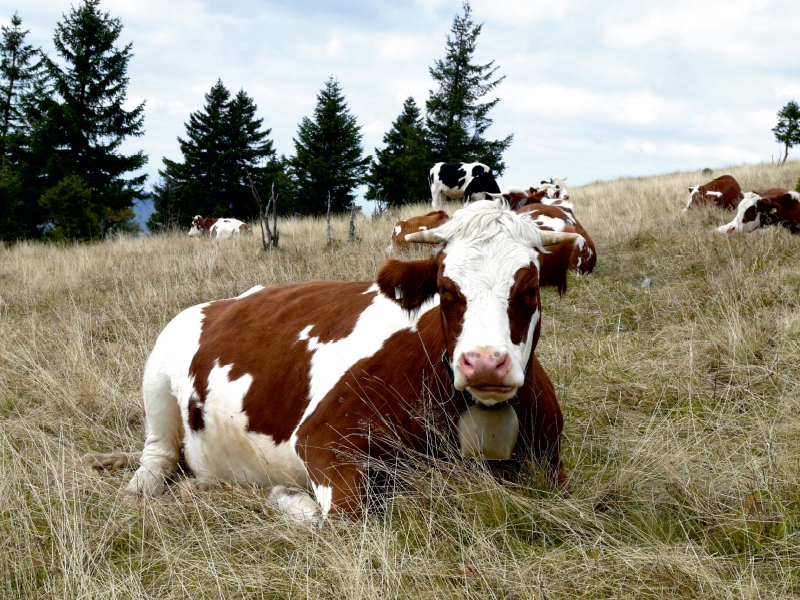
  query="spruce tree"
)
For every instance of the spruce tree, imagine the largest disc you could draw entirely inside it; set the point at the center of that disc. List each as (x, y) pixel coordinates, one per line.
(399, 172)
(81, 130)
(457, 121)
(787, 131)
(224, 142)
(328, 155)
(20, 69)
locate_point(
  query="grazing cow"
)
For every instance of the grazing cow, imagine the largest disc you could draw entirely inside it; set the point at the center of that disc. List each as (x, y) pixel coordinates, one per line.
(218, 228)
(724, 192)
(776, 206)
(297, 384)
(414, 224)
(471, 181)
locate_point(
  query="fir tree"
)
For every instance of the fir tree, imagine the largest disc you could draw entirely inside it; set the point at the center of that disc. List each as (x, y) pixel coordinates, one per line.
(399, 172)
(457, 121)
(328, 155)
(20, 70)
(224, 142)
(80, 131)
(787, 131)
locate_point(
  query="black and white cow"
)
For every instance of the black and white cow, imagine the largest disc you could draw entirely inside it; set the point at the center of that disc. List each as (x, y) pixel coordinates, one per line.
(471, 181)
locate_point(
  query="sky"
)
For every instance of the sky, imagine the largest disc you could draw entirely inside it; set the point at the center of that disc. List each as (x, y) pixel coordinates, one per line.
(592, 91)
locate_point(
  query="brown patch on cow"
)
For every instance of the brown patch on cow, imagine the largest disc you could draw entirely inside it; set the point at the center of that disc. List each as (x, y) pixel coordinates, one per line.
(409, 283)
(258, 335)
(452, 306)
(523, 301)
(432, 220)
(195, 409)
(245, 229)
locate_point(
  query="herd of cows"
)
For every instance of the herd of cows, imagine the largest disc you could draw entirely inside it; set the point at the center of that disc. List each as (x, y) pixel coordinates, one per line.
(295, 387)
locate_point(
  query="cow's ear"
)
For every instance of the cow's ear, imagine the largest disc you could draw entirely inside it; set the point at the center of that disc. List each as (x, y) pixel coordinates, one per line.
(409, 283)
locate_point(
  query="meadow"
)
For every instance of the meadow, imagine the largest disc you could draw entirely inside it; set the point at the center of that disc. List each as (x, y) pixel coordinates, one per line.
(681, 404)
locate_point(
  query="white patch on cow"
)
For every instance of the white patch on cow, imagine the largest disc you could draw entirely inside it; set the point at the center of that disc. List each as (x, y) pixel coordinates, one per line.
(551, 223)
(324, 496)
(795, 196)
(225, 228)
(397, 229)
(423, 228)
(372, 289)
(738, 225)
(514, 190)
(252, 290)
(483, 266)
(166, 385)
(331, 360)
(716, 194)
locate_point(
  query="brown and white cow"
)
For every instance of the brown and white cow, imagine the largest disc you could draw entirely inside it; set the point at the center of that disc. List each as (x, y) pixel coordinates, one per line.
(775, 206)
(723, 191)
(414, 224)
(283, 385)
(579, 255)
(218, 228)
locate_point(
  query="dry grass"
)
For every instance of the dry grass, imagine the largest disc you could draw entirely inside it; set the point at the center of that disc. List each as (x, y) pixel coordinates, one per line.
(682, 405)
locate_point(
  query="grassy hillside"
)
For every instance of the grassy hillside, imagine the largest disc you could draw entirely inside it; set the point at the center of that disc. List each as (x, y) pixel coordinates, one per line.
(681, 402)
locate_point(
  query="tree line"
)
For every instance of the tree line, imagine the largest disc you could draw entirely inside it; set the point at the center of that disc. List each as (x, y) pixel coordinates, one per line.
(63, 175)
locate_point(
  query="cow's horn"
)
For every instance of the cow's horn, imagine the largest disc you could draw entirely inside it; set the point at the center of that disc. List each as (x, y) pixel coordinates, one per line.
(422, 237)
(551, 238)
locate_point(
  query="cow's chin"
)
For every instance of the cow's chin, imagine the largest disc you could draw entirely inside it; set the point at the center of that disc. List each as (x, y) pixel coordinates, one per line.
(489, 395)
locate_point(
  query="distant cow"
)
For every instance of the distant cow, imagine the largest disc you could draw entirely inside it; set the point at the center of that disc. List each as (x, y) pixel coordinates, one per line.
(724, 192)
(300, 384)
(218, 228)
(560, 187)
(776, 206)
(579, 255)
(414, 224)
(470, 181)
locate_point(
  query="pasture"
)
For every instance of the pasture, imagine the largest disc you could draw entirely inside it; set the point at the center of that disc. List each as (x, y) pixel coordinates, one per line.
(681, 404)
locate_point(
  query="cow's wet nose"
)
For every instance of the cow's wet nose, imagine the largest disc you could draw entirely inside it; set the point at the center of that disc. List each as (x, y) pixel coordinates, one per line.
(484, 367)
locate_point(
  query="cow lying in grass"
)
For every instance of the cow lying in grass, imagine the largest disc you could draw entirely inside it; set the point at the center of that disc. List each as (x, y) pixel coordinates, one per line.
(723, 192)
(776, 206)
(296, 384)
(220, 229)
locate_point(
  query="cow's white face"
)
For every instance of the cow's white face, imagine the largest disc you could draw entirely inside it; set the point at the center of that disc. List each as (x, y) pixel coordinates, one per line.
(747, 216)
(692, 192)
(487, 278)
(198, 228)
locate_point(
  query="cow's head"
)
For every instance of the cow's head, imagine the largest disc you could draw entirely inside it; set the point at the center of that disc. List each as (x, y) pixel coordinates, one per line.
(749, 215)
(486, 272)
(198, 227)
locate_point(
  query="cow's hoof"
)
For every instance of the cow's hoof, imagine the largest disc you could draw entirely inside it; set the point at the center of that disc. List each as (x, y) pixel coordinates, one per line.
(295, 503)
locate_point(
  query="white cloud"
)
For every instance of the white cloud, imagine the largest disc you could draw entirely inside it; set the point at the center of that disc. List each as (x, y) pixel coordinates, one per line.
(592, 90)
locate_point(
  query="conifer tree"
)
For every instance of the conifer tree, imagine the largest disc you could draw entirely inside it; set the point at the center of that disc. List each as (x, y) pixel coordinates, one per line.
(224, 142)
(20, 70)
(457, 120)
(328, 155)
(399, 172)
(81, 129)
(787, 131)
